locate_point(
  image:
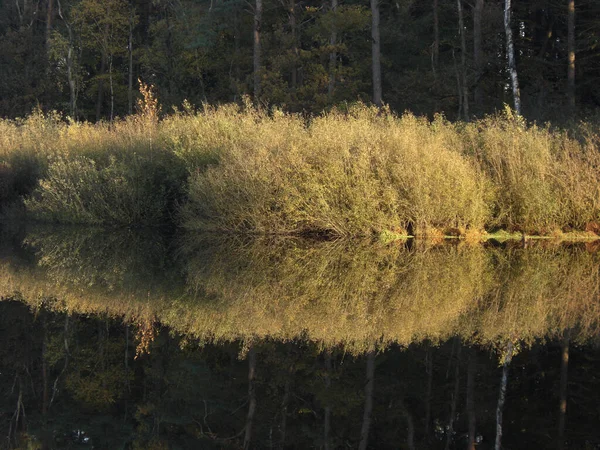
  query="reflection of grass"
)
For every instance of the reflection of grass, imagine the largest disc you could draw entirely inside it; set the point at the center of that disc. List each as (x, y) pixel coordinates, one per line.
(350, 293)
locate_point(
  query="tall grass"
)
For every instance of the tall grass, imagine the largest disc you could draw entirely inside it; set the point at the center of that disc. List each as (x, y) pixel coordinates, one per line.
(350, 173)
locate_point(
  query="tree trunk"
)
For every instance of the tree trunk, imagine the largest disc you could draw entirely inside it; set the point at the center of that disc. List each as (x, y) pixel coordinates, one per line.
(130, 52)
(458, 86)
(257, 59)
(502, 394)
(477, 53)
(376, 53)
(100, 98)
(463, 60)
(471, 419)
(49, 18)
(292, 17)
(364, 432)
(112, 92)
(435, 56)
(571, 50)
(333, 53)
(251, 396)
(70, 77)
(510, 53)
(564, 372)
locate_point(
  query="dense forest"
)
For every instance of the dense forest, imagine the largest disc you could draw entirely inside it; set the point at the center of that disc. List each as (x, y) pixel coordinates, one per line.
(460, 58)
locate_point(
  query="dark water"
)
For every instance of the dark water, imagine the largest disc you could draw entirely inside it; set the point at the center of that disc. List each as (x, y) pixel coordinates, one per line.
(145, 341)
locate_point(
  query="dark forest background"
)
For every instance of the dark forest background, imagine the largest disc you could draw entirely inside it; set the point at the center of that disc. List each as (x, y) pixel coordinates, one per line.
(84, 57)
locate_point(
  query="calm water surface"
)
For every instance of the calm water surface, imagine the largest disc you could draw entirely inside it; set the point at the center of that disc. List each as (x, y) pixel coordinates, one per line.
(139, 340)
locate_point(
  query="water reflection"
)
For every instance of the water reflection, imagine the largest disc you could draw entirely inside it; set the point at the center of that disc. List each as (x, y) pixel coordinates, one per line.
(137, 340)
(360, 295)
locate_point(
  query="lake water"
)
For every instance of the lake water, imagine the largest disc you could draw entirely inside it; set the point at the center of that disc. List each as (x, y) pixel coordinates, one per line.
(145, 340)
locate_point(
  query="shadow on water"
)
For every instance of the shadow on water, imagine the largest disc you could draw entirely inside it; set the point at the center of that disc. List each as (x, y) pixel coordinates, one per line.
(145, 340)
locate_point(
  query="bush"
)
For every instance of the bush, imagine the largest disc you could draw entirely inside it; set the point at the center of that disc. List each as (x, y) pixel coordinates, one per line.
(350, 174)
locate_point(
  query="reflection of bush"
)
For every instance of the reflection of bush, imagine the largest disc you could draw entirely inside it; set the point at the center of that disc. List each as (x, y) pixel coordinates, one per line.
(95, 270)
(350, 293)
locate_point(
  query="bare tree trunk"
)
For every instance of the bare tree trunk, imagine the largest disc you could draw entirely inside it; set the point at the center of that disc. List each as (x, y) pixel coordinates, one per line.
(510, 52)
(477, 53)
(100, 97)
(435, 56)
(70, 77)
(564, 373)
(257, 59)
(333, 54)
(130, 51)
(292, 17)
(112, 92)
(502, 395)
(471, 399)
(251, 396)
(463, 60)
(49, 17)
(571, 50)
(364, 432)
(376, 53)
(458, 87)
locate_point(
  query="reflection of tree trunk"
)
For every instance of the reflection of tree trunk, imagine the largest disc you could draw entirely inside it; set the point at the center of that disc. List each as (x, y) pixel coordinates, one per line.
(502, 394)
(333, 54)
(429, 371)
(284, 408)
(571, 50)
(477, 56)
(510, 51)
(251, 397)
(471, 399)
(410, 426)
(463, 62)
(327, 420)
(256, 57)
(450, 434)
(364, 433)
(376, 53)
(45, 398)
(564, 369)
(64, 369)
